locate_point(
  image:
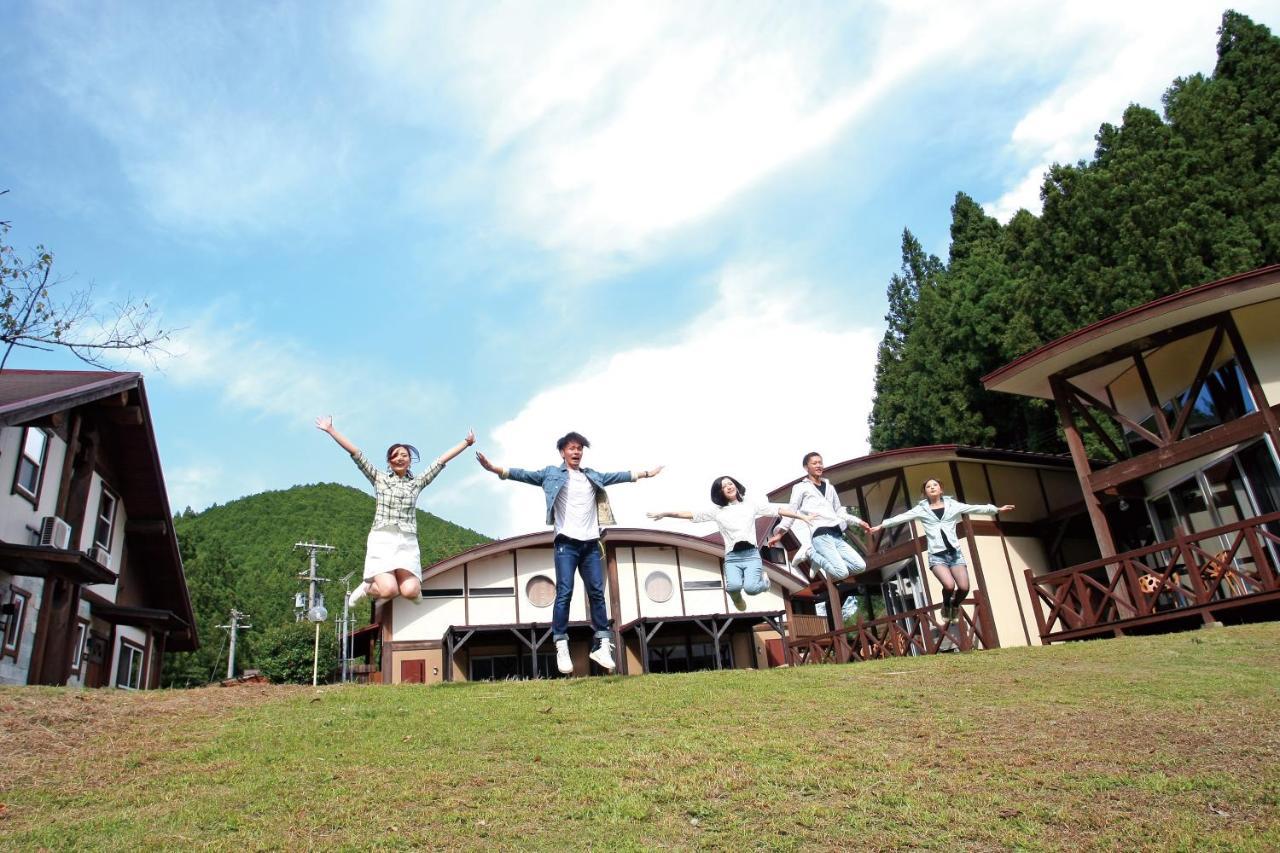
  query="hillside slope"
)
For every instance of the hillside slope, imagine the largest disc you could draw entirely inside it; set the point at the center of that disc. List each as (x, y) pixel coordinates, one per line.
(241, 554)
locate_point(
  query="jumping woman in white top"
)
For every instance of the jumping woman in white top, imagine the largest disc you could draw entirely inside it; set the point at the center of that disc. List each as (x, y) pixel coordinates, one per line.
(736, 518)
(392, 562)
(939, 514)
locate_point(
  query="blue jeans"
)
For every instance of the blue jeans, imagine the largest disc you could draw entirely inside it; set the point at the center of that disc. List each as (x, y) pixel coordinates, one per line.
(836, 557)
(571, 554)
(743, 571)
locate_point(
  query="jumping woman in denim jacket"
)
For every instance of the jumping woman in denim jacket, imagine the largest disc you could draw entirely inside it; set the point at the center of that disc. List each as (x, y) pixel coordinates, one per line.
(939, 514)
(392, 562)
(736, 518)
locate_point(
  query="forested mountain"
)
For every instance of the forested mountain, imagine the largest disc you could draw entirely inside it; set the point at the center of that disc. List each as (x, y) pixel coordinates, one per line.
(1167, 202)
(241, 555)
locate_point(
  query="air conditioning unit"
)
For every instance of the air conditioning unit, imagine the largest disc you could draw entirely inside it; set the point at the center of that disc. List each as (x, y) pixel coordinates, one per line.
(54, 532)
(101, 556)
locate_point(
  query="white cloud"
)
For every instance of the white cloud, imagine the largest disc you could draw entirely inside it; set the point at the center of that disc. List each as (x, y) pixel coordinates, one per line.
(760, 378)
(1132, 59)
(198, 484)
(266, 375)
(603, 128)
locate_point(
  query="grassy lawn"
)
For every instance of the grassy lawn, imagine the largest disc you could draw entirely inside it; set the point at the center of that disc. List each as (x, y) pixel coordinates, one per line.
(1160, 742)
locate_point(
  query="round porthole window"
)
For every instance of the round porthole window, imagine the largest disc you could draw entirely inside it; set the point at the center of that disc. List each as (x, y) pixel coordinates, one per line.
(541, 591)
(658, 587)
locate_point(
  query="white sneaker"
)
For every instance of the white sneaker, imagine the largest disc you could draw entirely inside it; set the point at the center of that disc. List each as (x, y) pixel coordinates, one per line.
(604, 655)
(737, 599)
(358, 594)
(564, 663)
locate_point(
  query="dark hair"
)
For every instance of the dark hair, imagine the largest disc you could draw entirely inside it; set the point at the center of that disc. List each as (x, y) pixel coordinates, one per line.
(572, 436)
(807, 457)
(413, 452)
(717, 495)
(927, 482)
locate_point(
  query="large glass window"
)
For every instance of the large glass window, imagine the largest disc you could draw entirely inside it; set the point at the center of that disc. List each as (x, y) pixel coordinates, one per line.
(106, 520)
(82, 641)
(35, 447)
(129, 666)
(685, 655)
(1223, 398)
(15, 615)
(503, 667)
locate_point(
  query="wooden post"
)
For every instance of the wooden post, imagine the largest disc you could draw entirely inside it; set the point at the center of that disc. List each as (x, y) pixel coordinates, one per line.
(1101, 529)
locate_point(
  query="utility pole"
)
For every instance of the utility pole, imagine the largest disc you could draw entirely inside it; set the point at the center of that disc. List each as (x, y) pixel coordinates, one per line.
(344, 629)
(235, 626)
(315, 602)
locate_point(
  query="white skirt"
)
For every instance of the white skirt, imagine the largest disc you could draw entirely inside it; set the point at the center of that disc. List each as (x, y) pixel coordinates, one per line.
(388, 550)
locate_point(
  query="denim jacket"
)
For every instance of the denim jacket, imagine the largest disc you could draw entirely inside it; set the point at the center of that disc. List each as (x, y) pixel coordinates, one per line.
(934, 527)
(553, 478)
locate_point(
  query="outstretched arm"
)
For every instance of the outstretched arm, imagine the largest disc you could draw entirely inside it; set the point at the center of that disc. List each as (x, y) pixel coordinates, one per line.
(644, 475)
(900, 518)
(688, 516)
(520, 475)
(787, 512)
(984, 509)
(459, 447)
(324, 423)
(487, 465)
(849, 518)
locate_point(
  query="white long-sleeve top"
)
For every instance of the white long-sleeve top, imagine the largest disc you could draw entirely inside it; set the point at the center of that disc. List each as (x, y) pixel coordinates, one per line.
(939, 531)
(737, 521)
(824, 503)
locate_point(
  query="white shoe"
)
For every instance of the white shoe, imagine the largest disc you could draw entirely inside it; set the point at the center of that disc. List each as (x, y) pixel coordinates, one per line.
(737, 599)
(604, 655)
(358, 594)
(564, 663)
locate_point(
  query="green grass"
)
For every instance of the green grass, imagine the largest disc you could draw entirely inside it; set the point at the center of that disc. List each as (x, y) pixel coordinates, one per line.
(1163, 743)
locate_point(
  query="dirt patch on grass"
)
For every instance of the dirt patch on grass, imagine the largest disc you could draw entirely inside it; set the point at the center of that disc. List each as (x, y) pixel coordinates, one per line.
(73, 736)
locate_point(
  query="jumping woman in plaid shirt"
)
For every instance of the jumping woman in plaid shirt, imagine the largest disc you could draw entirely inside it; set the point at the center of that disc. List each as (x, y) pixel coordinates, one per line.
(392, 563)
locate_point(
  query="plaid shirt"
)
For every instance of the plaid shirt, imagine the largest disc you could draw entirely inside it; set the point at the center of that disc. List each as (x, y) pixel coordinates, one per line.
(397, 497)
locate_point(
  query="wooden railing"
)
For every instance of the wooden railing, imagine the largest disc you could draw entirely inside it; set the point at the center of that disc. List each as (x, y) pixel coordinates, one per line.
(922, 631)
(1189, 574)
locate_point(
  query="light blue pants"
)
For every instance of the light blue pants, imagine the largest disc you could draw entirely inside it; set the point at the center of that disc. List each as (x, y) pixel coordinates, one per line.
(836, 557)
(743, 572)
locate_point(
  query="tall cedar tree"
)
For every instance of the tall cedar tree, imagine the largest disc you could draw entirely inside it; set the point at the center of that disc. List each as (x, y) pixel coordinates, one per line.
(1166, 203)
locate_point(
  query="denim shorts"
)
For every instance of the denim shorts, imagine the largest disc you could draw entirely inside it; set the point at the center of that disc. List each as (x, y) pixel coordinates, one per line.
(949, 558)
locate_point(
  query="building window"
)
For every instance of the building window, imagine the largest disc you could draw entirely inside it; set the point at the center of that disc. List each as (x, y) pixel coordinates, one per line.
(129, 667)
(658, 587)
(492, 591)
(106, 520)
(81, 647)
(1223, 398)
(688, 655)
(541, 591)
(35, 449)
(14, 613)
(442, 592)
(512, 667)
(692, 585)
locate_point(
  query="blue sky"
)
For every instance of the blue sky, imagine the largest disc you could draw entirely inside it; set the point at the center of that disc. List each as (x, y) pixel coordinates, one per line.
(668, 226)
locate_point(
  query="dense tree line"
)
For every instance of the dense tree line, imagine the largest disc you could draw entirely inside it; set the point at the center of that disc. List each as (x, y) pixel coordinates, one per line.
(241, 555)
(1166, 203)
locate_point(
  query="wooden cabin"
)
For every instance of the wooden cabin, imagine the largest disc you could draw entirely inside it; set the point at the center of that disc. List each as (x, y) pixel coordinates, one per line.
(1182, 392)
(486, 613)
(92, 591)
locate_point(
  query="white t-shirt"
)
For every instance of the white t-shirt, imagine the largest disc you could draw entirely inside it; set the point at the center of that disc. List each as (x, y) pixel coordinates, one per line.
(737, 521)
(576, 508)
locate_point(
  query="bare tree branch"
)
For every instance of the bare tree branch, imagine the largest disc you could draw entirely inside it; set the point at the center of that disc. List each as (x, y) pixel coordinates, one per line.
(32, 316)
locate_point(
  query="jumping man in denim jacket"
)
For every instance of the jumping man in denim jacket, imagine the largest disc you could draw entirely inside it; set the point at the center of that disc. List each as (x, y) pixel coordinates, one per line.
(577, 505)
